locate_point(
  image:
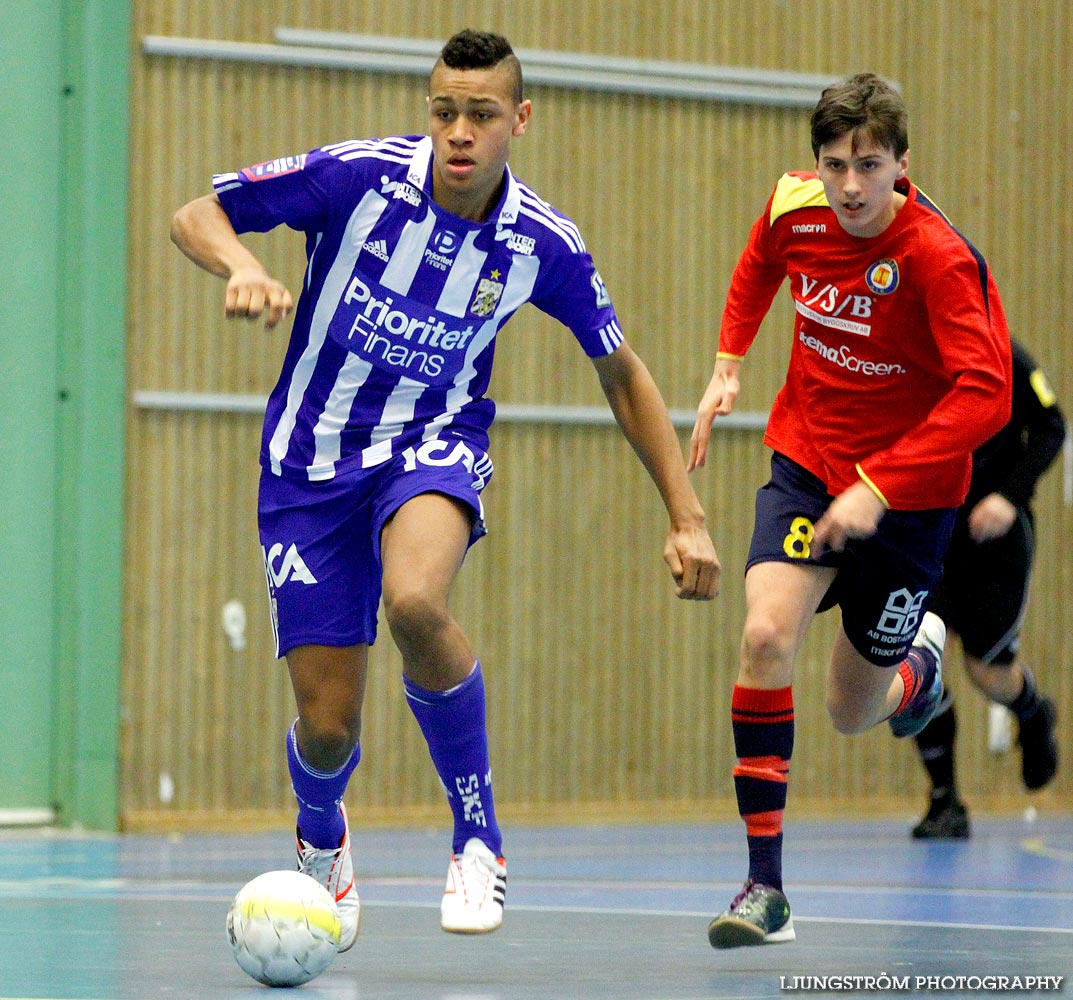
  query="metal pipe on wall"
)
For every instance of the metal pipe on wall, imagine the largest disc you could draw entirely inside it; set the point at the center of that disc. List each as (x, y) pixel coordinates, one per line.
(506, 413)
(579, 71)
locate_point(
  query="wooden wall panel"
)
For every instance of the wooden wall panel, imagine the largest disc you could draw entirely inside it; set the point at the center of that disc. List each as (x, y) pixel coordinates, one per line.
(606, 695)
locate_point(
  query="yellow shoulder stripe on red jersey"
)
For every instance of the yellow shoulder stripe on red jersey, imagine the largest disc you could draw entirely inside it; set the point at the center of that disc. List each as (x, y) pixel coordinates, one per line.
(793, 192)
(1042, 388)
(872, 486)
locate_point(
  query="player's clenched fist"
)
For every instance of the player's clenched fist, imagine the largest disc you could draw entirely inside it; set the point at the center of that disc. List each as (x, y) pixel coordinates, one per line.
(251, 292)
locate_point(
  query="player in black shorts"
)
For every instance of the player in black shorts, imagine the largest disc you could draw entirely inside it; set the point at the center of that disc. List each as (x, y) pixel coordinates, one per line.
(900, 368)
(984, 593)
(882, 582)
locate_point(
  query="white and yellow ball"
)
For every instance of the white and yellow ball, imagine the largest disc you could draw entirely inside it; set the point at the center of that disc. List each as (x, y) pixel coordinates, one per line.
(284, 928)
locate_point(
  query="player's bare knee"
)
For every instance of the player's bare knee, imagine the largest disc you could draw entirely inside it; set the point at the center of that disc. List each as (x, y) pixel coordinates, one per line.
(414, 617)
(327, 730)
(985, 675)
(766, 647)
(327, 746)
(849, 717)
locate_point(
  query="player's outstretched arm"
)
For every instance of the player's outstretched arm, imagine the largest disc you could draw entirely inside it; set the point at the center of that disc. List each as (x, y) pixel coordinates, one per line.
(202, 230)
(641, 413)
(718, 400)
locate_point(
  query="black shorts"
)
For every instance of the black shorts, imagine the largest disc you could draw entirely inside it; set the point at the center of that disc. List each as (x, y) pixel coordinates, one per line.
(884, 583)
(985, 589)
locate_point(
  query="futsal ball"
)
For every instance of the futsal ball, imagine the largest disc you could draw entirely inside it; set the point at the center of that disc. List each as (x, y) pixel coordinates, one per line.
(284, 928)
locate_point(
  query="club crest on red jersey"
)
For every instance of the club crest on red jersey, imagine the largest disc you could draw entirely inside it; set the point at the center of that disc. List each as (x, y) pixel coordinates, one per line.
(883, 276)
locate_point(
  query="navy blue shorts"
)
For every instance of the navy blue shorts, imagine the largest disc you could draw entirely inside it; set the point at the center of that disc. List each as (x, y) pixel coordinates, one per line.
(884, 583)
(985, 589)
(321, 540)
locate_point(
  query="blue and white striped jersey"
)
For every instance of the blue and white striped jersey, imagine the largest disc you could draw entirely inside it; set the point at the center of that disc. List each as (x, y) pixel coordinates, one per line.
(394, 332)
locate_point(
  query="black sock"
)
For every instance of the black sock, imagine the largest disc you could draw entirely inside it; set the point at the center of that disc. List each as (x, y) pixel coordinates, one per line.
(936, 745)
(1027, 703)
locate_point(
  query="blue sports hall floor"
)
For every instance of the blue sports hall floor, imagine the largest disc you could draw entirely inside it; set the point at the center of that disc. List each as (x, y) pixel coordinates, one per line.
(617, 912)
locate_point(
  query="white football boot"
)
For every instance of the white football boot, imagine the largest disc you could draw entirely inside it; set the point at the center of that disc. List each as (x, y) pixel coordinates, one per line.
(476, 888)
(334, 869)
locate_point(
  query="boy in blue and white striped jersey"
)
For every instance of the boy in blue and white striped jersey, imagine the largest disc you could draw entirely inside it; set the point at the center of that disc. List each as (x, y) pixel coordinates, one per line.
(374, 451)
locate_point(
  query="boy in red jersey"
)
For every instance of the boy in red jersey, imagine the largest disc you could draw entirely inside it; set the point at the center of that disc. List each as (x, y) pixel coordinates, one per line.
(900, 367)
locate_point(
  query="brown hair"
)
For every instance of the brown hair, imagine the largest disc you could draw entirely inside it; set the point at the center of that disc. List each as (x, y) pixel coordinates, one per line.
(865, 105)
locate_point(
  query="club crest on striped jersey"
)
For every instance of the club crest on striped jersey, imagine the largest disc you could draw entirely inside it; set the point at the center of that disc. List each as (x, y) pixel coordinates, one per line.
(883, 276)
(487, 296)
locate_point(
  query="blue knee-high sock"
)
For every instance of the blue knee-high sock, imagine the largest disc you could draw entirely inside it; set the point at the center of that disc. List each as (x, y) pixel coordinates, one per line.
(454, 727)
(319, 795)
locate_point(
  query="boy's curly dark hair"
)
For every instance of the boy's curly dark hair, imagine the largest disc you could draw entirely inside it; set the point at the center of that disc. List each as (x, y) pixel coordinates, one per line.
(469, 49)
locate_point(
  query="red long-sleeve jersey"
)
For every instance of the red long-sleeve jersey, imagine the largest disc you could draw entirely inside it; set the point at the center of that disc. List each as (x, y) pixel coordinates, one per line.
(900, 365)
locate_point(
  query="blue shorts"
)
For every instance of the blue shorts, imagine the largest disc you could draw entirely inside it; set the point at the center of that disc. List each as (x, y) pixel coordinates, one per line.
(884, 583)
(321, 540)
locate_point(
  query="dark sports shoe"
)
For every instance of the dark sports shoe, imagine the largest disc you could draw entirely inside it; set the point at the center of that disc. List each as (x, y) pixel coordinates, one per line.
(947, 819)
(929, 642)
(1039, 750)
(758, 914)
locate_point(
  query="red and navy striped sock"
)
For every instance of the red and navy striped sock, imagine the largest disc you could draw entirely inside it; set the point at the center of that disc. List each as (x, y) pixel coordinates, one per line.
(763, 724)
(913, 670)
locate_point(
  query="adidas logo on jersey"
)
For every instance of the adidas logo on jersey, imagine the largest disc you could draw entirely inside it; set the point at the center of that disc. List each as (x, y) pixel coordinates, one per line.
(378, 248)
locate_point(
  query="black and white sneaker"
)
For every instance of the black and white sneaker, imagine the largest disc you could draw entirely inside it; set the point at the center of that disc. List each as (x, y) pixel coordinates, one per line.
(759, 914)
(476, 890)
